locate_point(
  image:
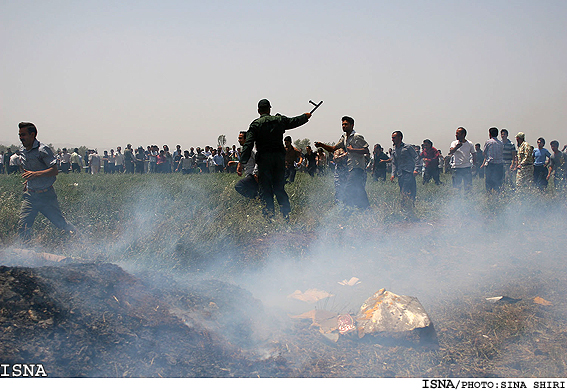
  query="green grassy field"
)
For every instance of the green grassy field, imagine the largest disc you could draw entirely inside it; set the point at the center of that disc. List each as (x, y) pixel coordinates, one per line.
(184, 220)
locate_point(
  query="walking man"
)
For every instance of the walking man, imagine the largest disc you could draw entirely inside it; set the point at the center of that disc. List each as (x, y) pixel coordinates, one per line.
(404, 167)
(380, 161)
(266, 132)
(430, 156)
(293, 159)
(40, 169)
(356, 148)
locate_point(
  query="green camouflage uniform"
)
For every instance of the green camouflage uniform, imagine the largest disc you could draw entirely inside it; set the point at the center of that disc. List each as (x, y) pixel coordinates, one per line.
(525, 176)
(267, 133)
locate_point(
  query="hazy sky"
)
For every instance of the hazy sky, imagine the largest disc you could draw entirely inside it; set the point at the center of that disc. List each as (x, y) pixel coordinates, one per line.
(105, 73)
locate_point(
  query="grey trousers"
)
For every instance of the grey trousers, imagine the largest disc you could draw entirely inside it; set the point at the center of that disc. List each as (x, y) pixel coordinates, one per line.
(47, 204)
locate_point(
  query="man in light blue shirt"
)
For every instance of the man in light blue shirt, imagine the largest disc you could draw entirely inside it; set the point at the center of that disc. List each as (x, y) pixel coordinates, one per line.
(541, 158)
(40, 169)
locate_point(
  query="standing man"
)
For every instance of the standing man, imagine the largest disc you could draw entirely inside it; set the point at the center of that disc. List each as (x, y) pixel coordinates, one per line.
(16, 163)
(218, 161)
(493, 162)
(430, 157)
(556, 163)
(7, 157)
(94, 162)
(40, 170)
(478, 159)
(129, 159)
(76, 161)
(404, 167)
(525, 162)
(65, 161)
(356, 148)
(247, 186)
(509, 158)
(311, 158)
(266, 132)
(119, 160)
(293, 159)
(541, 157)
(380, 161)
(462, 152)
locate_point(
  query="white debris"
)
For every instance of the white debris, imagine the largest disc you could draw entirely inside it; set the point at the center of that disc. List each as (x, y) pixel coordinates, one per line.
(387, 312)
(353, 281)
(310, 295)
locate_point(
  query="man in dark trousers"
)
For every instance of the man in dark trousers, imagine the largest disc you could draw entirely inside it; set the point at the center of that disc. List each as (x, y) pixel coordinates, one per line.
(40, 170)
(247, 186)
(430, 157)
(404, 167)
(293, 159)
(266, 132)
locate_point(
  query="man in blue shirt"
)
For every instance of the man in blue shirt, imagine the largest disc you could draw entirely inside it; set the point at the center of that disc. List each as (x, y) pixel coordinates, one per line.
(541, 156)
(40, 169)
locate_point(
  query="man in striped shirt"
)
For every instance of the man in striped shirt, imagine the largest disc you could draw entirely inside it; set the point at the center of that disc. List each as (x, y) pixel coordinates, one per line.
(509, 158)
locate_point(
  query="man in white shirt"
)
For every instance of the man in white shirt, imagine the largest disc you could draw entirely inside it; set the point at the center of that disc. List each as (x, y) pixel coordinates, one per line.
(65, 161)
(119, 160)
(76, 161)
(462, 153)
(15, 163)
(94, 162)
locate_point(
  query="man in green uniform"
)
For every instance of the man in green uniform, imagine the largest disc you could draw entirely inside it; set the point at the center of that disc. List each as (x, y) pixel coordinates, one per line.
(267, 133)
(525, 165)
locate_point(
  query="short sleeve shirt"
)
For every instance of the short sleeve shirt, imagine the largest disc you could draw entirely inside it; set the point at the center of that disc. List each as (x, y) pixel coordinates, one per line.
(540, 156)
(355, 140)
(39, 158)
(463, 157)
(508, 151)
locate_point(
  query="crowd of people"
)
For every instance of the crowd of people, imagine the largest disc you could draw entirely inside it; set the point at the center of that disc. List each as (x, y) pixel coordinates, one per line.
(269, 161)
(522, 164)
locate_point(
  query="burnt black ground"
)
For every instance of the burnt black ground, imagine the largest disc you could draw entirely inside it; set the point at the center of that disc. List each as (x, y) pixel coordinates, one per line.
(96, 320)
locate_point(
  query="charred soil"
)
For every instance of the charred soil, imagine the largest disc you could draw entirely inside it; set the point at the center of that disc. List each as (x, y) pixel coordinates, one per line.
(96, 320)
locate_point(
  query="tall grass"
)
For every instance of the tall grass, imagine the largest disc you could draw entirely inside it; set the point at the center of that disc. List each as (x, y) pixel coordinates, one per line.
(184, 221)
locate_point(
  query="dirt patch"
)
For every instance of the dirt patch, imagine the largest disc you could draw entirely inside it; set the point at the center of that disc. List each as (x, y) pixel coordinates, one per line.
(96, 320)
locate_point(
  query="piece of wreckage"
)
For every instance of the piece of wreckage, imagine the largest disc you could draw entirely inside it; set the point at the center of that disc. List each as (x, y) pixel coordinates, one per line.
(385, 316)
